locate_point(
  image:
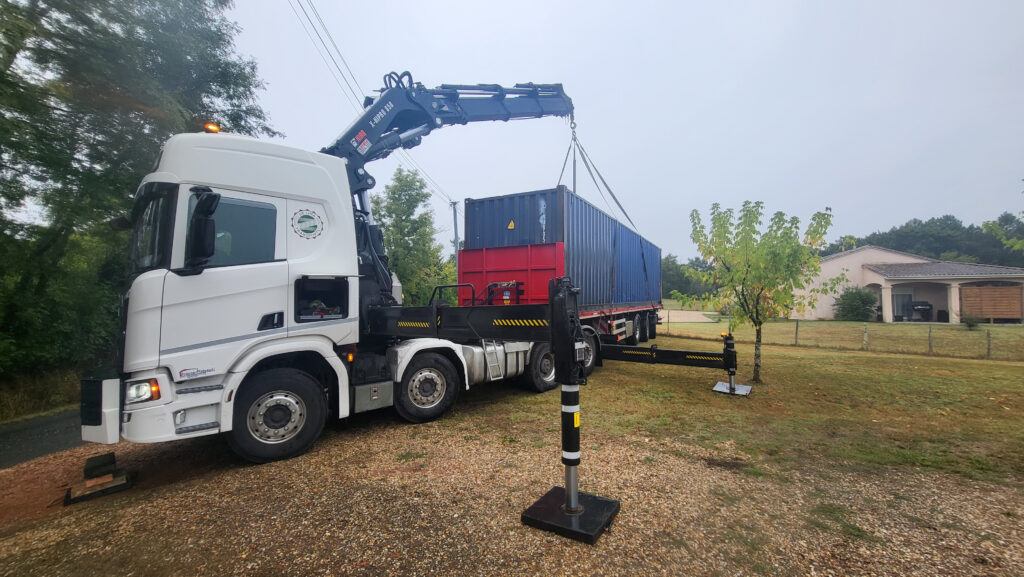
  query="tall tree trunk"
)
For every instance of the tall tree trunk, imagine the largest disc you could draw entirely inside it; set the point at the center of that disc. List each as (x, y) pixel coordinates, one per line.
(757, 355)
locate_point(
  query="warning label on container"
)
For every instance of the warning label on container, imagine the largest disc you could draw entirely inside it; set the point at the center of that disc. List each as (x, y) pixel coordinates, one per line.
(511, 224)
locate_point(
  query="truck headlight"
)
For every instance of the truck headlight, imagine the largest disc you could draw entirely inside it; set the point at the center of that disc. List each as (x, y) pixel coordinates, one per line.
(142, 391)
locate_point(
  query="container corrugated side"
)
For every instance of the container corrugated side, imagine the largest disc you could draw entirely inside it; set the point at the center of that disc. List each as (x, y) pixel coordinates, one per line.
(535, 217)
(631, 282)
(637, 269)
(590, 251)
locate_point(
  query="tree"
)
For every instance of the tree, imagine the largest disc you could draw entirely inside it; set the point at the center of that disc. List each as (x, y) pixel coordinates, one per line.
(946, 238)
(679, 281)
(89, 90)
(1009, 230)
(408, 226)
(761, 275)
(855, 304)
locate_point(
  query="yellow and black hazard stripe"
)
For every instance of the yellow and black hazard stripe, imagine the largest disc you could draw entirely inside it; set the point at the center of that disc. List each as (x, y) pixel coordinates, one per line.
(704, 357)
(520, 322)
(641, 353)
(414, 324)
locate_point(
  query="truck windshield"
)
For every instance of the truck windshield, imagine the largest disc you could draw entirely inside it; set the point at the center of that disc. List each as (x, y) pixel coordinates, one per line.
(152, 225)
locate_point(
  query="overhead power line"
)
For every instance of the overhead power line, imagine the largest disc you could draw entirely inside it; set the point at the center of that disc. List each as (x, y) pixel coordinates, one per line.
(355, 95)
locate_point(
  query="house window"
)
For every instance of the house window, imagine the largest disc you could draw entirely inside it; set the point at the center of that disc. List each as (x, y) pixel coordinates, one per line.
(901, 305)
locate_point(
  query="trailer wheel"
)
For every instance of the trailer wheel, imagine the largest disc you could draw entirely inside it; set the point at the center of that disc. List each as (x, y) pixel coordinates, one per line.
(634, 338)
(540, 373)
(653, 325)
(428, 388)
(589, 353)
(645, 327)
(278, 414)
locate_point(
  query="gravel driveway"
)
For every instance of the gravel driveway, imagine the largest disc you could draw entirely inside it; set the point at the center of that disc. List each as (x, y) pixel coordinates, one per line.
(377, 496)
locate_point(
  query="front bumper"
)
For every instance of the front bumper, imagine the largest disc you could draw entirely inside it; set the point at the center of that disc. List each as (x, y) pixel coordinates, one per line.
(188, 412)
(101, 410)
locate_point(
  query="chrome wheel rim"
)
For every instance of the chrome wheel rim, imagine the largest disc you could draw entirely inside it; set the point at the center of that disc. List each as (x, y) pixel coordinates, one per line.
(427, 388)
(276, 417)
(547, 366)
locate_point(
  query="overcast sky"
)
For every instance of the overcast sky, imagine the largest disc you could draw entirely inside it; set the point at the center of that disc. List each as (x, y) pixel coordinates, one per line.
(883, 111)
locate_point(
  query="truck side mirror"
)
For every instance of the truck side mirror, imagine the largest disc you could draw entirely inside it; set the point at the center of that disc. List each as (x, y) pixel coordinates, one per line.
(202, 236)
(202, 229)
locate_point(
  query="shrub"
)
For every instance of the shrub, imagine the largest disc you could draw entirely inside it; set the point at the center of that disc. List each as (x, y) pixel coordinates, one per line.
(855, 304)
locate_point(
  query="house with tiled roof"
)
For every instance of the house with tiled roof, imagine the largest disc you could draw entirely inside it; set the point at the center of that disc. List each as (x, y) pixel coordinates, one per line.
(916, 288)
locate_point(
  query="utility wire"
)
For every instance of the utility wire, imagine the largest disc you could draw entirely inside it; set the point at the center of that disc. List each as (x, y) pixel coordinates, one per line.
(329, 53)
(331, 38)
(351, 95)
(322, 57)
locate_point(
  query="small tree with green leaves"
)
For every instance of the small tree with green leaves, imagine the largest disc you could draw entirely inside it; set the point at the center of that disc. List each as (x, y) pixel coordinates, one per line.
(408, 226)
(855, 304)
(761, 274)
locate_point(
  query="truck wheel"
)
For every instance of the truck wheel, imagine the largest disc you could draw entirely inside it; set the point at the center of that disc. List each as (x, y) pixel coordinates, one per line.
(634, 337)
(540, 374)
(653, 330)
(645, 326)
(428, 388)
(278, 414)
(589, 353)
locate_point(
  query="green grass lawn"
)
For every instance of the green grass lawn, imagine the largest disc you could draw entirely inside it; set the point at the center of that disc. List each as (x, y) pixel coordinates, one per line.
(852, 409)
(947, 340)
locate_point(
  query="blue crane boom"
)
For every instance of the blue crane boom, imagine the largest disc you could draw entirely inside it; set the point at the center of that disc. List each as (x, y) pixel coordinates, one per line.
(406, 111)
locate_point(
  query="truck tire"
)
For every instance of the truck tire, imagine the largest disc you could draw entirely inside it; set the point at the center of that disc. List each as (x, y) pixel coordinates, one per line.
(645, 327)
(540, 373)
(653, 330)
(428, 389)
(634, 337)
(590, 353)
(278, 414)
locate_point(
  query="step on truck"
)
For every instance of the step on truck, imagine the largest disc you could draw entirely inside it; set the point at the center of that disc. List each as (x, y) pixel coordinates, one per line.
(260, 301)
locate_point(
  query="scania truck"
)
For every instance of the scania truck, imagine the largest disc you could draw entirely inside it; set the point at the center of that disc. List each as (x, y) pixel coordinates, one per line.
(261, 302)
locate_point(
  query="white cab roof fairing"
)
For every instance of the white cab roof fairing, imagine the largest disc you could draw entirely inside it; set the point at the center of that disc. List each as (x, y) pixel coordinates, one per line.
(246, 163)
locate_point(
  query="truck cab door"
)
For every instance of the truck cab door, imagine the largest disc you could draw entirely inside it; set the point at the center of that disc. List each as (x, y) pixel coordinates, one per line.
(238, 297)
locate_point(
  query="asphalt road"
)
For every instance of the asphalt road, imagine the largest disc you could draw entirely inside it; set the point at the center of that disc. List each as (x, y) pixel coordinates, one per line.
(25, 440)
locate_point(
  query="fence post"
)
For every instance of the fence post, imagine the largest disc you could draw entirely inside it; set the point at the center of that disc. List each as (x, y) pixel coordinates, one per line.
(796, 334)
(929, 339)
(988, 335)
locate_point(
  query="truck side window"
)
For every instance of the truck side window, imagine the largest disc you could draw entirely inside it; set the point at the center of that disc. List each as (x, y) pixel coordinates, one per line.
(246, 232)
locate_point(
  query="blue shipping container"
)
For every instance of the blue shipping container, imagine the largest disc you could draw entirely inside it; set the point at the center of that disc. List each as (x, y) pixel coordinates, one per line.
(613, 265)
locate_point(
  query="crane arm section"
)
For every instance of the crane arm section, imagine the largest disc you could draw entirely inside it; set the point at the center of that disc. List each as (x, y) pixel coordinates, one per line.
(405, 112)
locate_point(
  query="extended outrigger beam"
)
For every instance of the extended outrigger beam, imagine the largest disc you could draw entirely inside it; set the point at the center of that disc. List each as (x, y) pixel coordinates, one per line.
(726, 360)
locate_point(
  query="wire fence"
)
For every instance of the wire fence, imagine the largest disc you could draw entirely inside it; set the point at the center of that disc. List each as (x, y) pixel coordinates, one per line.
(994, 342)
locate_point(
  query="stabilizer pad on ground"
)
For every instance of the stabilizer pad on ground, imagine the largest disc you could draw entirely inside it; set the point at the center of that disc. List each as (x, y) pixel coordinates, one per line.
(721, 387)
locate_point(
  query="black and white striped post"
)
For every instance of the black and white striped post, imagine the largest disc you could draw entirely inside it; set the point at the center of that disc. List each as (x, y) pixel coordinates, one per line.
(564, 510)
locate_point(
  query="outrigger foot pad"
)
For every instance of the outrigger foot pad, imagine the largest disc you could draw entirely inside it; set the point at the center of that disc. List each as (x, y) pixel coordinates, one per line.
(100, 477)
(732, 389)
(593, 519)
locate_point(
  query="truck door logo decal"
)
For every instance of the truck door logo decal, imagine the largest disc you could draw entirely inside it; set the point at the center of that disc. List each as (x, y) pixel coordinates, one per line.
(511, 224)
(184, 374)
(307, 224)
